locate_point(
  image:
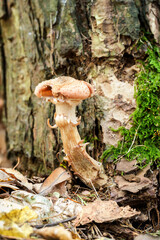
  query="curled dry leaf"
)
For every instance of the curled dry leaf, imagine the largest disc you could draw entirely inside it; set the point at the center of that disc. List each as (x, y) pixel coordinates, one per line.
(4, 177)
(7, 185)
(58, 232)
(17, 177)
(6, 181)
(104, 211)
(134, 186)
(126, 166)
(133, 183)
(55, 182)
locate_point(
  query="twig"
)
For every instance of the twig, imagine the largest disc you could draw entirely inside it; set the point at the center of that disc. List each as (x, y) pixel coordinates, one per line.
(55, 223)
(97, 231)
(94, 189)
(130, 148)
(82, 201)
(133, 139)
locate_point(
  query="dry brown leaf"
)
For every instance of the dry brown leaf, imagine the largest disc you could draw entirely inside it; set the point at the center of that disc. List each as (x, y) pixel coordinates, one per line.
(8, 185)
(17, 176)
(134, 186)
(126, 166)
(57, 232)
(37, 187)
(142, 172)
(133, 183)
(7, 181)
(55, 182)
(104, 211)
(4, 177)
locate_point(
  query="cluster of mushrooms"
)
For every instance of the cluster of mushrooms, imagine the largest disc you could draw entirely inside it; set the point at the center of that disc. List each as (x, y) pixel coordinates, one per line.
(66, 93)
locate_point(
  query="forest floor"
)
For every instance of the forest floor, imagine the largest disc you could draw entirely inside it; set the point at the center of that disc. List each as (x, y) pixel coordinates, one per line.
(62, 207)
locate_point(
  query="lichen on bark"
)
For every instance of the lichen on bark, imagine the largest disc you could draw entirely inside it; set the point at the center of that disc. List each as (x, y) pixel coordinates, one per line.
(126, 18)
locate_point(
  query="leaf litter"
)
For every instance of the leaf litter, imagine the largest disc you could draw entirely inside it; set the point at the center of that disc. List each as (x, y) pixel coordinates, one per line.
(61, 213)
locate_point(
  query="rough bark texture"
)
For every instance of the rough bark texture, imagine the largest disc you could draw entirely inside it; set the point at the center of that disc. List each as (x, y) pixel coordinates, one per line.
(89, 40)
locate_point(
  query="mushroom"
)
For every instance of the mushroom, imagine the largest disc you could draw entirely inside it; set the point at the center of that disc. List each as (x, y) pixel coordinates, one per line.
(66, 93)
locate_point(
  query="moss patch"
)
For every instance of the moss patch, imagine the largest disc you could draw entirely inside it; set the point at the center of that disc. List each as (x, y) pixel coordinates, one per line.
(142, 140)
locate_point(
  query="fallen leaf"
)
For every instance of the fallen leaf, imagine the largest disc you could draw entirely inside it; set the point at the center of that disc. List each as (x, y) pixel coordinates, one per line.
(7, 205)
(44, 207)
(104, 211)
(7, 185)
(15, 231)
(57, 177)
(132, 186)
(57, 232)
(14, 223)
(19, 216)
(37, 187)
(18, 177)
(142, 172)
(4, 177)
(146, 237)
(126, 166)
(134, 182)
(64, 208)
(41, 205)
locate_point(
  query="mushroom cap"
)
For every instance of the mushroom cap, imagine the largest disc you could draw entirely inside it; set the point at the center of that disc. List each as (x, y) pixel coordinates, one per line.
(66, 87)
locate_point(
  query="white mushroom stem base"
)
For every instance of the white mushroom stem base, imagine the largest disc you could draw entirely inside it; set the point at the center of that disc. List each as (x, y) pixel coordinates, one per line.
(85, 167)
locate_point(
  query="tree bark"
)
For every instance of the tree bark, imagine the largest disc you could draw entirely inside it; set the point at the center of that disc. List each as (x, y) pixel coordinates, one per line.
(88, 40)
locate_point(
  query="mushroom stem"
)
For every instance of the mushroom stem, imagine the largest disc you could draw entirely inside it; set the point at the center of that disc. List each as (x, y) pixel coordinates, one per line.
(65, 119)
(66, 93)
(84, 166)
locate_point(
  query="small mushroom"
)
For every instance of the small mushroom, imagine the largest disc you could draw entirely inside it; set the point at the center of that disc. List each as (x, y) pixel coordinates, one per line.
(66, 93)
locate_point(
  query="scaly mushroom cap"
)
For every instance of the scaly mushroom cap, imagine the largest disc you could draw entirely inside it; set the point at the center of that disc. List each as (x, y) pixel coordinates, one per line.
(65, 87)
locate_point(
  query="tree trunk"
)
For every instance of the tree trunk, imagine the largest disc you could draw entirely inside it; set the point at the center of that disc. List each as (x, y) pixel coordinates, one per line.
(88, 40)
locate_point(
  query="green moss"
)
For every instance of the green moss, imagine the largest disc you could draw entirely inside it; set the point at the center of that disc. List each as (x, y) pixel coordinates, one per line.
(142, 140)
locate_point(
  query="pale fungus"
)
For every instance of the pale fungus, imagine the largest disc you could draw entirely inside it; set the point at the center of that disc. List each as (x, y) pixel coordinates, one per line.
(66, 93)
